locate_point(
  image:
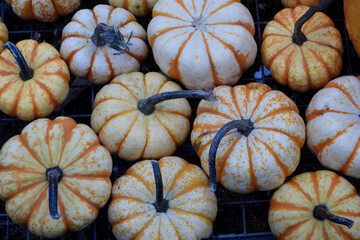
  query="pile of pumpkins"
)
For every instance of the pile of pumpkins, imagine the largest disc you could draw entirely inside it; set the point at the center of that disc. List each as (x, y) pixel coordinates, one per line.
(55, 175)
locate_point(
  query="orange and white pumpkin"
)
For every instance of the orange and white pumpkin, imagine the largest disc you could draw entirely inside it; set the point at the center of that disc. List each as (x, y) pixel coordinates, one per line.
(103, 43)
(333, 125)
(295, 3)
(302, 64)
(4, 37)
(44, 10)
(169, 199)
(139, 8)
(34, 83)
(315, 205)
(54, 150)
(261, 149)
(202, 43)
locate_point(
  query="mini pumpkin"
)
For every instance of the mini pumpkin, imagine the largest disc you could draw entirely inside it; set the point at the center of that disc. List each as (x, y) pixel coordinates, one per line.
(34, 80)
(139, 8)
(44, 10)
(54, 176)
(130, 125)
(352, 20)
(169, 199)
(4, 37)
(102, 43)
(202, 43)
(333, 133)
(302, 53)
(315, 205)
(295, 3)
(255, 134)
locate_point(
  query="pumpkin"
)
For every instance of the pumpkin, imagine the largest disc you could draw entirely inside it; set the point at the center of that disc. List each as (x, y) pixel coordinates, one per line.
(132, 125)
(254, 133)
(4, 37)
(102, 43)
(315, 205)
(44, 10)
(54, 176)
(302, 56)
(295, 3)
(202, 43)
(169, 199)
(332, 118)
(352, 21)
(139, 8)
(34, 80)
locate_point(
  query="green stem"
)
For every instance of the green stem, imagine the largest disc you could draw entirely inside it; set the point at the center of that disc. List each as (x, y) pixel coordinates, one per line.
(321, 212)
(161, 204)
(53, 176)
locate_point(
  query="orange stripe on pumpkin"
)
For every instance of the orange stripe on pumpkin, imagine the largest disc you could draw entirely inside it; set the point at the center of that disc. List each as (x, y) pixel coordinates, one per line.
(275, 205)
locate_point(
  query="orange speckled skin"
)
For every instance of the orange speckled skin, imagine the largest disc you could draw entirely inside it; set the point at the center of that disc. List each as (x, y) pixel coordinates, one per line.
(202, 43)
(83, 190)
(43, 10)
(291, 207)
(4, 37)
(333, 125)
(306, 67)
(268, 155)
(130, 134)
(139, 8)
(352, 20)
(99, 64)
(39, 96)
(294, 3)
(192, 206)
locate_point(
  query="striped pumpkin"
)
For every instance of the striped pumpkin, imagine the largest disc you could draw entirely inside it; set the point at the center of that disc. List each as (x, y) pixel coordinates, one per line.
(352, 20)
(202, 43)
(4, 37)
(294, 208)
(189, 211)
(92, 56)
(38, 95)
(139, 8)
(261, 157)
(295, 3)
(333, 125)
(44, 10)
(85, 186)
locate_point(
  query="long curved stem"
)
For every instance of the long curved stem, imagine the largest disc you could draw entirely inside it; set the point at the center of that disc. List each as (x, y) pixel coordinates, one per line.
(147, 106)
(299, 38)
(321, 212)
(53, 176)
(26, 72)
(244, 127)
(160, 204)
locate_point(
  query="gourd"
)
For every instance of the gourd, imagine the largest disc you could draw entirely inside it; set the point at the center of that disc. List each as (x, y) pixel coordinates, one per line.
(302, 53)
(133, 123)
(315, 205)
(249, 139)
(34, 80)
(332, 128)
(54, 176)
(102, 43)
(352, 21)
(169, 199)
(139, 8)
(202, 43)
(44, 10)
(295, 3)
(4, 37)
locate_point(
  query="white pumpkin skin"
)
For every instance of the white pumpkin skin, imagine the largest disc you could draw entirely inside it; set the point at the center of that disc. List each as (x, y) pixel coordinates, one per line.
(192, 206)
(98, 63)
(202, 43)
(333, 125)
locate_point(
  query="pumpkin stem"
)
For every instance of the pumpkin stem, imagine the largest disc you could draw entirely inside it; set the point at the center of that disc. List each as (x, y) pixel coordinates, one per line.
(111, 36)
(147, 106)
(53, 176)
(26, 72)
(299, 37)
(243, 126)
(160, 204)
(321, 212)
